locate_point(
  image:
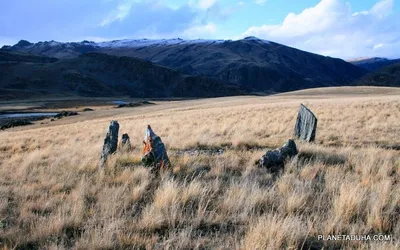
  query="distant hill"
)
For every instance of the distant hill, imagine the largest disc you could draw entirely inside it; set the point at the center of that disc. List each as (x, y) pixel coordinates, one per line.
(344, 91)
(96, 75)
(386, 76)
(373, 63)
(53, 48)
(251, 63)
(15, 56)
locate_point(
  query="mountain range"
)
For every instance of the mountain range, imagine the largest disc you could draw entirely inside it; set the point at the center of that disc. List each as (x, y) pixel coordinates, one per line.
(373, 63)
(95, 74)
(384, 76)
(168, 67)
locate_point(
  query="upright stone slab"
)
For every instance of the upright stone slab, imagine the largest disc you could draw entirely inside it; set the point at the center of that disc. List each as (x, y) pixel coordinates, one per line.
(306, 125)
(125, 141)
(274, 160)
(110, 142)
(154, 154)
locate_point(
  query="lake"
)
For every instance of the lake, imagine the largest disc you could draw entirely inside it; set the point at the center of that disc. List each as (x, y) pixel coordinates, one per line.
(23, 115)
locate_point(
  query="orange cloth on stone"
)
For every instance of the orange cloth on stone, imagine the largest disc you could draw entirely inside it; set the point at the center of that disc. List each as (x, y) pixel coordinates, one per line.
(147, 147)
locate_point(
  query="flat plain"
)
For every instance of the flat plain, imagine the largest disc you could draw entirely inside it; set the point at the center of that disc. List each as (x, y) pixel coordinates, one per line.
(53, 194)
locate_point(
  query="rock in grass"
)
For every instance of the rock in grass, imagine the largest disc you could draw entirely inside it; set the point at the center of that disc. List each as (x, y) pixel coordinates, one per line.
(110, 142)
(154, 154)
(65, 114)
(274, 160)
(306, 125)
(125, 142)
(14, 123)
(135, 104)
(289, 149)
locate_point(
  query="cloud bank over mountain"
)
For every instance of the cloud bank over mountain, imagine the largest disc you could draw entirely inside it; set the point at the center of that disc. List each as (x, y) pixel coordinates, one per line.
(331, 28)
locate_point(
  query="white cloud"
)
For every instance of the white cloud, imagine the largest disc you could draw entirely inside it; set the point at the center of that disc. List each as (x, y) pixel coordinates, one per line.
(198, 31)
(382, 8)
(202, 4)
(377, 46)
(193, 31)
(331, 28)
(240, 3)
(316, 19)
(119, 14)
(98, 39)
(260, 2)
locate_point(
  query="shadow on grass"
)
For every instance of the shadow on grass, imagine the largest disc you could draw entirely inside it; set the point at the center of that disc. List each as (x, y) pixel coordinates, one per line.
(328, 158)
(312, 243)
(69, 234)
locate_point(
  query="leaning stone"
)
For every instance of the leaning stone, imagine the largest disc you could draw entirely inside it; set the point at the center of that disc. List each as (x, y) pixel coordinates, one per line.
(125, 141)
(306, 125)
(110, 142)
(274, 160)
(154, 154)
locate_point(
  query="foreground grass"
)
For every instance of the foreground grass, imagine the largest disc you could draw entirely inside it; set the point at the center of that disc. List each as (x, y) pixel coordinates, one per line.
(52, 194)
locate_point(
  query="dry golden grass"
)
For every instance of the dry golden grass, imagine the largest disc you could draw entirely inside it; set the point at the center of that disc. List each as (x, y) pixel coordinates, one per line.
(53, 196)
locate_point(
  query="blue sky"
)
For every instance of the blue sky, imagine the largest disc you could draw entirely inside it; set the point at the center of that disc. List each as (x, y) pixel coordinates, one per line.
(337, 28)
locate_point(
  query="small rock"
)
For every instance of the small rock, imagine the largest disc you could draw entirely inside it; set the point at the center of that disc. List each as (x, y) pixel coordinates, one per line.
(65, 114)
(87, 109)
(125, 142)
(274, 160)
(14, 123)
(289, 149)
(134, 104)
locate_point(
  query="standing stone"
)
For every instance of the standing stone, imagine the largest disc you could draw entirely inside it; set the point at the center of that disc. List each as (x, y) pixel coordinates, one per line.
(110, 142)
(154, 154)
(125, 141)
(274, 160)
(306, 125)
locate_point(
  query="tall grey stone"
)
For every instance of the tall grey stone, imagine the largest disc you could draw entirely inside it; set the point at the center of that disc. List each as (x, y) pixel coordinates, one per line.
(306, 125)
(110, 142)
(274, 160)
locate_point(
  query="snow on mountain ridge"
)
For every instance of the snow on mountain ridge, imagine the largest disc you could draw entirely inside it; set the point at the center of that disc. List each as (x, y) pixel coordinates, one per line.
(152, 42)
(133, 43)
(253, 38)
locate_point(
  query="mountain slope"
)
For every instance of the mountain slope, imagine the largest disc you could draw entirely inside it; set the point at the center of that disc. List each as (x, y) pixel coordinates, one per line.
(95, 74)
(373, 63)
(252, 63)
(15, 56)
(386, 76)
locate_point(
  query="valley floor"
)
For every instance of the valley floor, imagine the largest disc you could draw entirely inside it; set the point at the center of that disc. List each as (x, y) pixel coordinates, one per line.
(53, 195)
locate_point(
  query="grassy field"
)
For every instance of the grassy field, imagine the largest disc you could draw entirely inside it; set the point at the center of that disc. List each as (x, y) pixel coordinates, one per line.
(54, 196)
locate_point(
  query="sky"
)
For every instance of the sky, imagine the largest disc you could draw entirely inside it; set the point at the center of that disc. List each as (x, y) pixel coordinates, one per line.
(336, 28)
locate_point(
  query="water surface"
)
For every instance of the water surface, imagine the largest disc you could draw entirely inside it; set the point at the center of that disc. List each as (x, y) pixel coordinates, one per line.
(23, 115)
